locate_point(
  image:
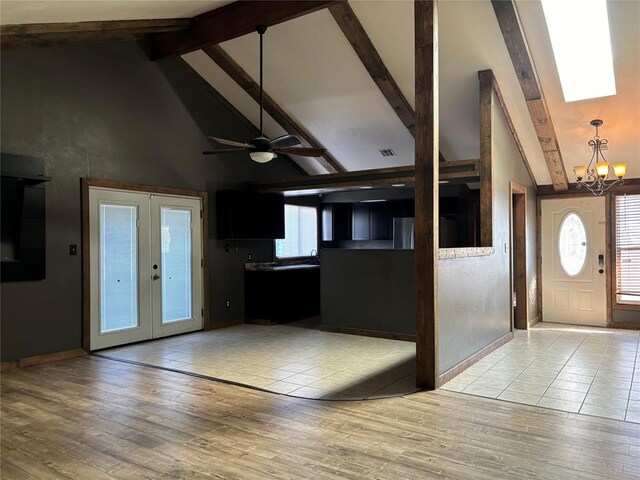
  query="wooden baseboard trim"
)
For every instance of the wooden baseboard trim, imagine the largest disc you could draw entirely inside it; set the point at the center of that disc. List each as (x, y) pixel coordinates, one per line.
(45, 358)
(533, 321)
(463, 365)
(260, 321)
(628, 326)
(231, 323)
(405, 337)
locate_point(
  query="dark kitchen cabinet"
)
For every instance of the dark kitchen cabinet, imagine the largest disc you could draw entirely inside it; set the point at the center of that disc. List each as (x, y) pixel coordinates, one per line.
(281, 294)
(371, 221)
(336, 221)
(381, 228)
(361, 221)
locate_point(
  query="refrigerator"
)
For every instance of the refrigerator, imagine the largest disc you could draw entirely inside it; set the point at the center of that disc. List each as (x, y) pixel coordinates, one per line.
(403, 233)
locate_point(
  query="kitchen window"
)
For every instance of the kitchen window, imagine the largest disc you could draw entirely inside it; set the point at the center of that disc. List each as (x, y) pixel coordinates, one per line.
(300, 232)
(627, 243)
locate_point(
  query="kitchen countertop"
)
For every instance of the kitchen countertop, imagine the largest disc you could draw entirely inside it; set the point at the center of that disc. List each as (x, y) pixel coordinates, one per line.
(274, 267)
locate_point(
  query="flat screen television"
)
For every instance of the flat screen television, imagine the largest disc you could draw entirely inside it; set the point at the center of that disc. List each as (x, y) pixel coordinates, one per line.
(12, 200)
(22, 193)
(249, 215)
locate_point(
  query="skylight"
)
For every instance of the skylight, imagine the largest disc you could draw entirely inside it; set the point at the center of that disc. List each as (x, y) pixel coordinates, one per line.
(579, 31)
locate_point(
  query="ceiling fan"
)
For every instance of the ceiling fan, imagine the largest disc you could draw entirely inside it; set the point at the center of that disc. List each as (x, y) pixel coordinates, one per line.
(261, 149)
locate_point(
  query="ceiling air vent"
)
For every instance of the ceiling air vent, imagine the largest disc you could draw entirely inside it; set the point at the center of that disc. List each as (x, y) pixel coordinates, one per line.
(387, 152)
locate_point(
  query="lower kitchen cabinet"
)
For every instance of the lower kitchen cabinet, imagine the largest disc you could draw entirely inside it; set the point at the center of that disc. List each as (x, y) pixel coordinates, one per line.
(281, 294)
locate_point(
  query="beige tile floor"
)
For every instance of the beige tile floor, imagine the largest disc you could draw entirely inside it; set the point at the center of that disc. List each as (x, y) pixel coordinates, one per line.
(286, 359)
(572, 368)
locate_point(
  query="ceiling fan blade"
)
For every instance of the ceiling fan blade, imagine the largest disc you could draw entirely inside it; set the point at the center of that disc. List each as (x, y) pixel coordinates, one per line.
(231, 143)
(285, 141)
(222, 150)
(302, 151)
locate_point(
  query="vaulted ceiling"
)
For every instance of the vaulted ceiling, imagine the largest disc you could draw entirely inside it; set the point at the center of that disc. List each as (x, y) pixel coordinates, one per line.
(313, 73)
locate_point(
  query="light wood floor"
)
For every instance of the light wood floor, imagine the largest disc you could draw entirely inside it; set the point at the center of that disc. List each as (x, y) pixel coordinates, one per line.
(93, 418)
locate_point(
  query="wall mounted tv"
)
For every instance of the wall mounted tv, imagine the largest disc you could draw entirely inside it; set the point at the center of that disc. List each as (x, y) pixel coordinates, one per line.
(22, 249)
(249, 215)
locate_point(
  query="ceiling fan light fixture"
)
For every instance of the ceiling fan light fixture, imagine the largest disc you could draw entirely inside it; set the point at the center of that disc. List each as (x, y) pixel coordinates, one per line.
(262, 157)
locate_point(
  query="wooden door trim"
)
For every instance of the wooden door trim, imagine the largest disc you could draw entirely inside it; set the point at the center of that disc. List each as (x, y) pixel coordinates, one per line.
(86, 183)
(519, 261)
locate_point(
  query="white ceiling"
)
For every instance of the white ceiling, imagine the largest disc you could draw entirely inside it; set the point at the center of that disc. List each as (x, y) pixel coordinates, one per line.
(53, 11)
(313, 73)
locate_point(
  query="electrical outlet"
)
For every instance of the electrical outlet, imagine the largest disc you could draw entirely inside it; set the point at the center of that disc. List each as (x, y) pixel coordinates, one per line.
(250, 257)
(506, 248)
(227, 303)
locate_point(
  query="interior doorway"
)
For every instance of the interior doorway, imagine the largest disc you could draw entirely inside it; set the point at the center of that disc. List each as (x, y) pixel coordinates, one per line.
(144, 266)
(519, 297)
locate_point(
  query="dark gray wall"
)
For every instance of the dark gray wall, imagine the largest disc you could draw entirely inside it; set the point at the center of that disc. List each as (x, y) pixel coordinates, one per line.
(474, 295)
(368, 289)
(105, 111)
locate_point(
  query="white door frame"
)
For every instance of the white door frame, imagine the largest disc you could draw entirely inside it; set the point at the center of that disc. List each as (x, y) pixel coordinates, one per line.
(86, 251)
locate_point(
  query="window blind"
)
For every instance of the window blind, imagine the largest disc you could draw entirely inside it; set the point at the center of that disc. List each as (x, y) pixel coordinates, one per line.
(300, 232)
(628, 248)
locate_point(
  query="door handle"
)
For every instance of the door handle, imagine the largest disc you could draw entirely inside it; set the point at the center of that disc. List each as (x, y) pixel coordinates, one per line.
(155, 276)
(600, 264)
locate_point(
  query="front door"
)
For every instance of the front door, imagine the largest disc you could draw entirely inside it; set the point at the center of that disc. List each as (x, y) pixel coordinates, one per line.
(573, 267)
(145, 266)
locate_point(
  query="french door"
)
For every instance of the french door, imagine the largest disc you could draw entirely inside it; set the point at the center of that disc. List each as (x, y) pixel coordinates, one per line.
(146, 266)
(573, 261)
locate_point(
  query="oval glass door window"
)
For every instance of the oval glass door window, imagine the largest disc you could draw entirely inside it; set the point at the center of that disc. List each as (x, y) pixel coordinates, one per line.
(572, 244)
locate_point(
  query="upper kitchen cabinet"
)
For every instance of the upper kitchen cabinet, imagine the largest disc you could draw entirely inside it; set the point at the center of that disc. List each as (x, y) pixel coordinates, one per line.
(371, 221)
(336, 222)
(363, 220)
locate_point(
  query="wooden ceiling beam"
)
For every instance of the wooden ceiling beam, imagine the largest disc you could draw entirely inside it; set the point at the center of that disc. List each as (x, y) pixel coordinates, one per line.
(355, 33)
(357, 36)
(218, 96)
(459, 171)
(630, 185)
(271, 107)
(512, 129)
(516, 43)
(43, 34)
(230, 21)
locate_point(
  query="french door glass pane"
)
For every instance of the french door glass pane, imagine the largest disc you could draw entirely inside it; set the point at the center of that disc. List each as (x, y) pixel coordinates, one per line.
(118, 267)
(176, 264)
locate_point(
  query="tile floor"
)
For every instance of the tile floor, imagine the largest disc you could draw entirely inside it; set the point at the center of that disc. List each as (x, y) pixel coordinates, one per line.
(286, 359)
(572, 368)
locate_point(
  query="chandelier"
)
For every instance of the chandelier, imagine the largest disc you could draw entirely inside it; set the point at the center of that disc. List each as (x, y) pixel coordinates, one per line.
(594, 175)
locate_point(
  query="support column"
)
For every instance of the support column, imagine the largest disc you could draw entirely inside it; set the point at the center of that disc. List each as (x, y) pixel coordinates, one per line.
(486, 158)
(426, 193)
